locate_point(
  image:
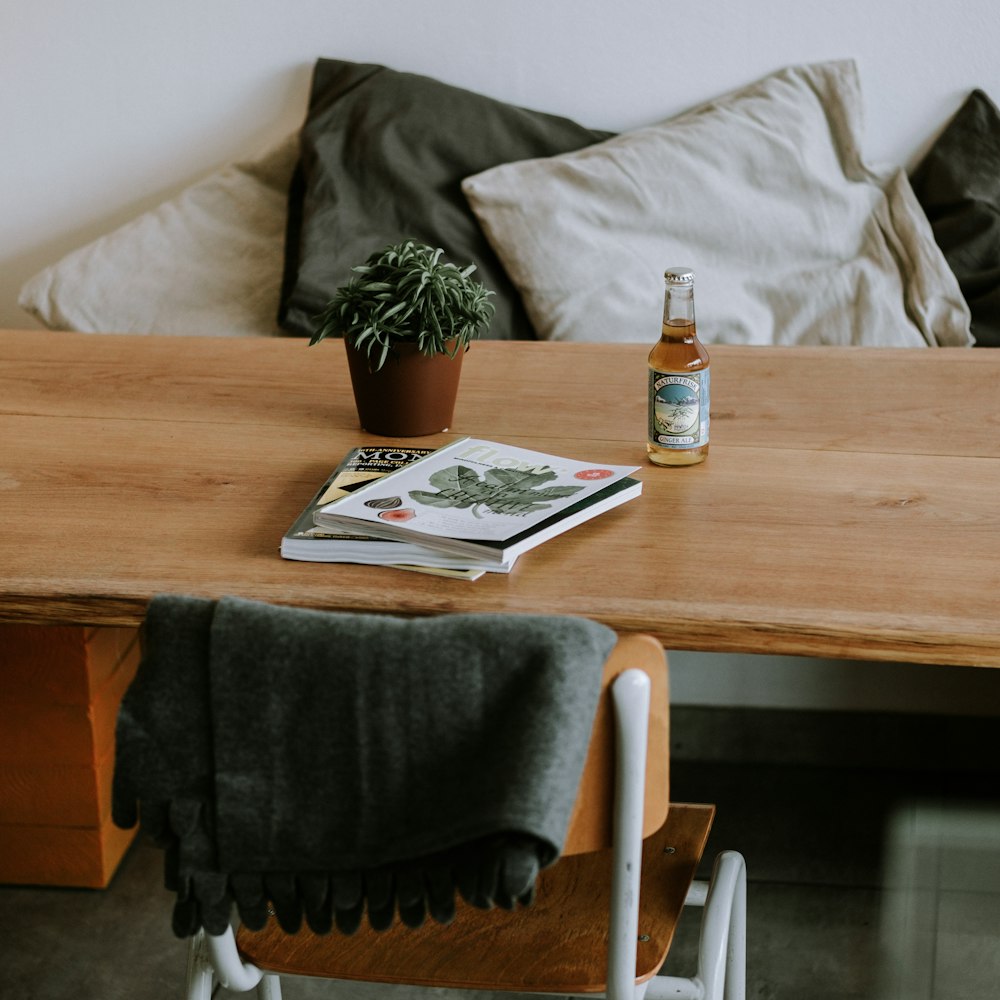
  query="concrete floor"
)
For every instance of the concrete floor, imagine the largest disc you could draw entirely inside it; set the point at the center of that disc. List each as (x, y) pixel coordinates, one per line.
(866, 883)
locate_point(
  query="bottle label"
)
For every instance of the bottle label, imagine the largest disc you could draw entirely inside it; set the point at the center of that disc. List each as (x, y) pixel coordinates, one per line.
(678, 409)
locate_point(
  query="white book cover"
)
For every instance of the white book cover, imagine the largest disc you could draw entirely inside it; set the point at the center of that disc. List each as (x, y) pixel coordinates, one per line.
(483, 497)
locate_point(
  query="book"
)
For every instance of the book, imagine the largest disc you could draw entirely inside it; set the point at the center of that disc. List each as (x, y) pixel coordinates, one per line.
(308, 542)
(482, 499)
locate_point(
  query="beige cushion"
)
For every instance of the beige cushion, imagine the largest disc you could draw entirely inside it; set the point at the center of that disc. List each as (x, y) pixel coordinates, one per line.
(208, 261)
(793, 238)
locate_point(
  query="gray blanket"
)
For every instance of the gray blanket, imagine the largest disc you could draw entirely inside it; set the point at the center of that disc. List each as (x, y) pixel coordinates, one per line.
(324, 764)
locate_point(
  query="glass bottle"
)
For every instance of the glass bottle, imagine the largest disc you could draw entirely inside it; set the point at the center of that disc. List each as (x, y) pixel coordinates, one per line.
(677, 431)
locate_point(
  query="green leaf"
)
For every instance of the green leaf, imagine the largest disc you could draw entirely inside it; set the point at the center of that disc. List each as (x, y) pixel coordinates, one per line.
(502, 491)
(398, 307)
(519, 477)
(431, 499)
(556, 492)
(407, 291)
(454, 477)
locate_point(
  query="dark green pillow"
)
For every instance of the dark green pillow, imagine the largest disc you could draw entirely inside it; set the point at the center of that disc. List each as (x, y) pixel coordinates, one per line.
(958, 184)
(383, 154)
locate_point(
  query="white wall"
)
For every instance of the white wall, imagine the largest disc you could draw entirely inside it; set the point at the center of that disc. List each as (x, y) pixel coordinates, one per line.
(109, 106)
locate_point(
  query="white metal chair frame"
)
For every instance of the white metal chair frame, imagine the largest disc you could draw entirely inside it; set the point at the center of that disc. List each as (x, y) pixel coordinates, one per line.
(721, 971)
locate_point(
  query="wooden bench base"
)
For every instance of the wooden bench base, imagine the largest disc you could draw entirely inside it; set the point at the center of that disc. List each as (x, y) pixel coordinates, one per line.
(60, 687)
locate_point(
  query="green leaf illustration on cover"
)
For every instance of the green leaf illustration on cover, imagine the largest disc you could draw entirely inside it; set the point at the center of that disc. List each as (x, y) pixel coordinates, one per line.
(500, 491)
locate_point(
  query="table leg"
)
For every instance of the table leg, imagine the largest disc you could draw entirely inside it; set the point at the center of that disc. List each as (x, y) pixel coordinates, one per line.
(60, 687)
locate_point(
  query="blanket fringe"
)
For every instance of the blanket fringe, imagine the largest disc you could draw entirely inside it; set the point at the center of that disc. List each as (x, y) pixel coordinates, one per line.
(500, 870)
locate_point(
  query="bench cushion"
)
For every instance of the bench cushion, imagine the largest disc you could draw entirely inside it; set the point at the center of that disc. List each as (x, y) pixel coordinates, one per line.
(794, 239)
(383, 157)
(207, 261)
(958, 184)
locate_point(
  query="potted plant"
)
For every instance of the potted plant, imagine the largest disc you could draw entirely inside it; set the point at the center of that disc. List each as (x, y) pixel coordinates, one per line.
(406, 317)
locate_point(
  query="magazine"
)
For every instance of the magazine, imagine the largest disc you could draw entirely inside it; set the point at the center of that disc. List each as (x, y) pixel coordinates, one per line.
(307, 542)
(482, 499)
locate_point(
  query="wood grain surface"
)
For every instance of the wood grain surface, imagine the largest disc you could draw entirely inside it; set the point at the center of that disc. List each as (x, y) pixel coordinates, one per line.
(848, 508)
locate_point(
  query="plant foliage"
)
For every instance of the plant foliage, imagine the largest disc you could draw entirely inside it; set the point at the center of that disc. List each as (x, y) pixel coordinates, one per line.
(407, 293)
(503, 491)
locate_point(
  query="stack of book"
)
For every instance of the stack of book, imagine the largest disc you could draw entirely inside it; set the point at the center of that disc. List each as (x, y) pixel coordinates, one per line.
(468, 508)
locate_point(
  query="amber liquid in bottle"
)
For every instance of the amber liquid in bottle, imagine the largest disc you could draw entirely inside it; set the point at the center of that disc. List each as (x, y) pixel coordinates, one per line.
(678, 381)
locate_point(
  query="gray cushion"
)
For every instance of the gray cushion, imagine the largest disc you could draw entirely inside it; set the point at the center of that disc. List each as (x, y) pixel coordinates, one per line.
(958, 184)
(383, 157)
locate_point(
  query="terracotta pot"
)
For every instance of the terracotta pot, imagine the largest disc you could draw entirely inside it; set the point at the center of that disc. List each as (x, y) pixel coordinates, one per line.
(410, 395)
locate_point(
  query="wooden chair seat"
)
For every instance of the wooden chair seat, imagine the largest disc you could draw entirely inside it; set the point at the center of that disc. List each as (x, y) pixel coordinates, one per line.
(557, 945)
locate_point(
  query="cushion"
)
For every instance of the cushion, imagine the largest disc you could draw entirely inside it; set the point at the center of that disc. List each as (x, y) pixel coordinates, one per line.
(763, 192)
(205, 262)
(383, 157)
(958, 184)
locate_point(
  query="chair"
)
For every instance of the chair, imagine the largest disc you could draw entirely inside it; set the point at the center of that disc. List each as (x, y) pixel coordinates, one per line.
(603, 915)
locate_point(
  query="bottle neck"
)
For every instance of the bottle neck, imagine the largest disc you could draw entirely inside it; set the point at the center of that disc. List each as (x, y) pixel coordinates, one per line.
(678, 312)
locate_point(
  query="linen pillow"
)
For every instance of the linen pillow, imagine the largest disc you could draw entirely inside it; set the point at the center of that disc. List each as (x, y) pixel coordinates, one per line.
(763, 192)
(205, 262)
(958, 184)
(383, 157)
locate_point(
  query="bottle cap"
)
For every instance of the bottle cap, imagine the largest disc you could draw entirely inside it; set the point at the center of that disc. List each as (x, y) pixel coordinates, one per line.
(679, 276)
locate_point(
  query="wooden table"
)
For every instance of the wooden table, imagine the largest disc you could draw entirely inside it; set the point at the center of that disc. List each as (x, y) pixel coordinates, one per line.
(850, 506)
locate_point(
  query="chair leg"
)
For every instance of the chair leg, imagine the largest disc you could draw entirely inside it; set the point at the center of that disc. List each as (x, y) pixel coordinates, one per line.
(199, 970)
(722, 947)
(214, 958)
(736, 958)
(269, 987)
(630, 697)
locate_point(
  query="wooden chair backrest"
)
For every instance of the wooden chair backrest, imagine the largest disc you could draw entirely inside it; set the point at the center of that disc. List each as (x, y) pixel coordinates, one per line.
(569, 917)
(591, 822)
